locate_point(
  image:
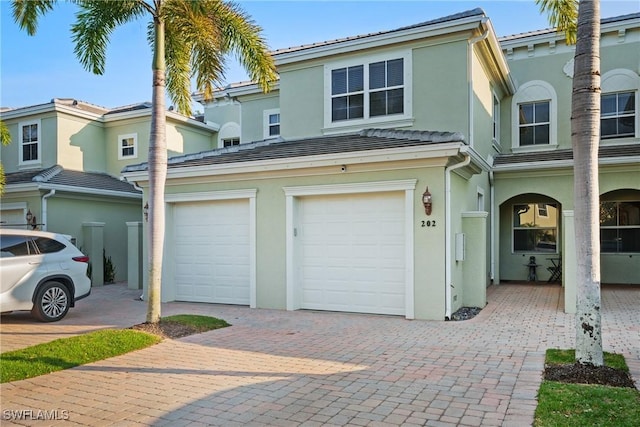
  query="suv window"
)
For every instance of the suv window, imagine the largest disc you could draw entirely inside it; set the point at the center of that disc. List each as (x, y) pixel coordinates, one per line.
(17, 245)
(48, 246)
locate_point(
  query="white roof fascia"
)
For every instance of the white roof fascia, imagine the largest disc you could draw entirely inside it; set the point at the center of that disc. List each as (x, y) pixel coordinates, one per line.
(46, 108)
(249, 89)
(147, 112)
(552, 35)
(377, 40)
(15, 188)
(499, 57)
(290, 163)
(563, 164)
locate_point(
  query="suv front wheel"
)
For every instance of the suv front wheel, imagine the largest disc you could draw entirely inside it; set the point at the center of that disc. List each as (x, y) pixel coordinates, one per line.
(52, 302)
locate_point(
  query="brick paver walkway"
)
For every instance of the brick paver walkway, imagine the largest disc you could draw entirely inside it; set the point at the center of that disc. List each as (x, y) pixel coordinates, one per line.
(279, 368)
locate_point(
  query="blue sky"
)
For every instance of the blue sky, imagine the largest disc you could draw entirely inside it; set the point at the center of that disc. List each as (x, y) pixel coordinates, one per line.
(33, 70)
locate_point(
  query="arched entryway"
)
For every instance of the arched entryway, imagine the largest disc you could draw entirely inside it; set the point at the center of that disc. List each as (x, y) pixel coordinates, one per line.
(530, 239)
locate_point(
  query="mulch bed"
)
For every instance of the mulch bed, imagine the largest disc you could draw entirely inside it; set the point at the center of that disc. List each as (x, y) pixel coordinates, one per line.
(587, 374)
(167, 329)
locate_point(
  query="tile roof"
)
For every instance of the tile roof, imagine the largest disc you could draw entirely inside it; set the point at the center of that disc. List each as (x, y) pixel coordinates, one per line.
(57, 175)
(366, 140)
(605, 152)
(551, 31)
(449, 18)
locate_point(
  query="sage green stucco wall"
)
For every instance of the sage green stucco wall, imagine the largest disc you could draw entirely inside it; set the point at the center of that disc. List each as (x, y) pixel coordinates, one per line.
(557, 186)
(302, 101)
(271, 234)
(49, 148)
(181, 139)
(253, 109)
(440, 89)
(67, 214)
(80, 144)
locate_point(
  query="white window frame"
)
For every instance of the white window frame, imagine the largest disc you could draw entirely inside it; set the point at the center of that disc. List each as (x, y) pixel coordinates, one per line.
(496, 120)
(531, 92)
(405, 118)
(121, 155)
(38, 142)
(267, 124)
(228, 131)
(622, 80)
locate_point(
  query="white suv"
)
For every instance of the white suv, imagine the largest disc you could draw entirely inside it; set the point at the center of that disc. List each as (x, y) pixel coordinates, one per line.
(42, 272)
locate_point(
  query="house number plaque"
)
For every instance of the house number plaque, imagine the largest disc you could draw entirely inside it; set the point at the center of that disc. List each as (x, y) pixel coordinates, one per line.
(429, 223)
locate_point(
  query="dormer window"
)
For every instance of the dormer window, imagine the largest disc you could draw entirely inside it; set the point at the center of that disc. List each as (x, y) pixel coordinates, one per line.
(29, 138)
(128, 146)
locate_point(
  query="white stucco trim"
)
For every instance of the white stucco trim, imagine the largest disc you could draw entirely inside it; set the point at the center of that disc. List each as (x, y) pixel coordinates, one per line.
(250, 194)
(408, 186)
(534, 91)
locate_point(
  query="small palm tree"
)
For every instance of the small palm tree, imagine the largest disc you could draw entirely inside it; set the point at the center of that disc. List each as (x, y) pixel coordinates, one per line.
(585, 139)
(5, 139)
(190, 39)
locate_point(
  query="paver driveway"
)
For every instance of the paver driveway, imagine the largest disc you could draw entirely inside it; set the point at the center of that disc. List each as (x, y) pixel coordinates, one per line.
(314, 368)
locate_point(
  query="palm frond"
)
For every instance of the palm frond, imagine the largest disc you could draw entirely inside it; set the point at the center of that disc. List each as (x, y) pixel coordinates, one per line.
(95, 22)
(27, 12)
(562, 15)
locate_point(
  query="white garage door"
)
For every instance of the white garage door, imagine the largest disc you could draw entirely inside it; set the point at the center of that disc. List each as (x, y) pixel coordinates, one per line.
(211, 241)
(351, 251)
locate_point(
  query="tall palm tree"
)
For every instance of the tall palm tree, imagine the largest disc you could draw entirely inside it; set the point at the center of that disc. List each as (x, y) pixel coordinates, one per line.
(5, 139)
(190, 39)
(585, 139)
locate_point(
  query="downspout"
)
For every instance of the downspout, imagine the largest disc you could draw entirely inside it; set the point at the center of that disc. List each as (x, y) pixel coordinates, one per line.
(44, 209)
(447, 237)
(492, 225)
(470, 77)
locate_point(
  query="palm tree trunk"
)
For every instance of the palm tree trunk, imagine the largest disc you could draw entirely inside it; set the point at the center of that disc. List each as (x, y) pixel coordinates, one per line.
(585, 138)
(157, 175)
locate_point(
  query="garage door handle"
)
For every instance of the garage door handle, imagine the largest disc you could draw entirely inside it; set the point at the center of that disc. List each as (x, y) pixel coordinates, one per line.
(35, 263)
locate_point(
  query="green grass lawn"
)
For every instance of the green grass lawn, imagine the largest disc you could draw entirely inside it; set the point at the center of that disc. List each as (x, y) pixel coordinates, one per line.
(69, 352)
(581, 405)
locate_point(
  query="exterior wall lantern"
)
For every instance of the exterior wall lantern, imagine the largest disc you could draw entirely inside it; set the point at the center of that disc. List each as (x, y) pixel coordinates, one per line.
(145, 210)
(426, 201)
(31, 220)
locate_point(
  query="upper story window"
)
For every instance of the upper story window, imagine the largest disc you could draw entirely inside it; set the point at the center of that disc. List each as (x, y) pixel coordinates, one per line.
(533, 122)
(535, 117)
(618, 115)
(535, 227)
(229, 135)
(620, 226)
(271, 123)
(496, 119)
(29, 137)
(127, 146)
(374, 89)
(229, 142)
(619, 104)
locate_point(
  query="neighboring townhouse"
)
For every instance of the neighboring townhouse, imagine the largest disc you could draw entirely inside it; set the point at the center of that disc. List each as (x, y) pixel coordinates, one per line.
(533, 204)
(63, 173)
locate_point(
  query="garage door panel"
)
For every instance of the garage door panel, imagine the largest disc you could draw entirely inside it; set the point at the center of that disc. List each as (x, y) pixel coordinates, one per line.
(352, 254)
(211, 241)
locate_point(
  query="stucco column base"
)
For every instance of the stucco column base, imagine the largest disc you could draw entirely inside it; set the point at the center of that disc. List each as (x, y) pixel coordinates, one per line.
(93, 236)
(134, 255)
(474, 226)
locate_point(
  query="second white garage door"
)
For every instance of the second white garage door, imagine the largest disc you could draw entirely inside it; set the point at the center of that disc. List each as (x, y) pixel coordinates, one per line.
(211, 247)
(351, 253)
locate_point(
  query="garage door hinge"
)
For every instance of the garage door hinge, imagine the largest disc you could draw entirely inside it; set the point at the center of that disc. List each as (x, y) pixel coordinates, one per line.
(295, 232)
